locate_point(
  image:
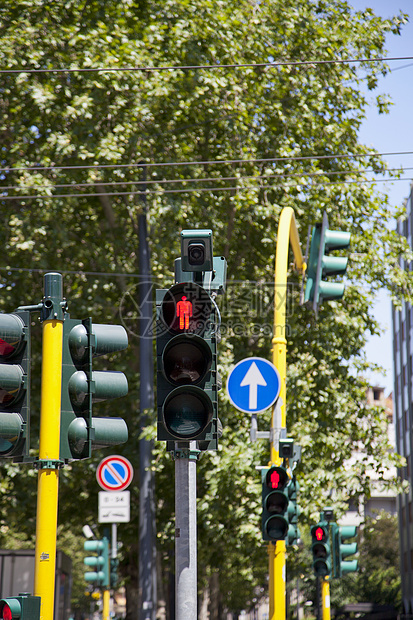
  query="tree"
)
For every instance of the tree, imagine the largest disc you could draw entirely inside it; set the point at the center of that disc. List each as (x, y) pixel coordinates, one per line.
(284, 134)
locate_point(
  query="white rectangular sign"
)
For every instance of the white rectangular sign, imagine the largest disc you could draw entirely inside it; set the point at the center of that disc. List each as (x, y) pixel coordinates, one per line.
(114, 507)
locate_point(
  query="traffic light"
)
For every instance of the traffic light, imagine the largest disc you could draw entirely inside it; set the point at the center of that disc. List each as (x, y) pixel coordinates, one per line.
(320, 546)
(275, 523)
(293, 511)
(15, 385)
(320, 264)
(187, 377)
(100, 562)
(22, 607)
(82, 386)
(114, 563)
(341, 550)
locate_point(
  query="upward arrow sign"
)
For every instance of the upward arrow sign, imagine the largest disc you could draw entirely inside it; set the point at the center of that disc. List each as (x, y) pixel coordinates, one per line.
(253, 378)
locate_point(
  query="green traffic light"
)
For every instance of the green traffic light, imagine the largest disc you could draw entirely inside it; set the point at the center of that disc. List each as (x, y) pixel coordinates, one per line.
(100, 562)
(82, 387)
(321, 265)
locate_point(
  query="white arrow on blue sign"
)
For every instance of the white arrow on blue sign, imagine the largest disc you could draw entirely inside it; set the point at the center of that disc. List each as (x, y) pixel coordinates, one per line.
(253, 385)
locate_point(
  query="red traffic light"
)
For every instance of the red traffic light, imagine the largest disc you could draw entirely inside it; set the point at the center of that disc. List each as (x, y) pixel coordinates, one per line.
(319, 533)
(186, 308)
(276, 478)
(11, 334)
(6, 613)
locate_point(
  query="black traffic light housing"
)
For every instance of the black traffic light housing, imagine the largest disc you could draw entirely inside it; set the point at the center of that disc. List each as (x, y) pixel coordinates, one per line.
(275, 503)
(15, 385)
(321, 549)
(187, 377)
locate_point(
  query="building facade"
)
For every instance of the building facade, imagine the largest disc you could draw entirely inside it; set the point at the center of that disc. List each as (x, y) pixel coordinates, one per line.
(403, 418)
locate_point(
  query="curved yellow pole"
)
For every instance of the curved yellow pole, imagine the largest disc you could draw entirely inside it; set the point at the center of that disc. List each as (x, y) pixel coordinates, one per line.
(48, 476)
(287, 234)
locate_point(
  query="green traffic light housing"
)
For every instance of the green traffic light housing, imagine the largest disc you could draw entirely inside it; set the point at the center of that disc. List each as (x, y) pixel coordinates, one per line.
(100, 576)
(341, 550)
(82, 386)
(22, 607)
(15, 385)
(320, 264)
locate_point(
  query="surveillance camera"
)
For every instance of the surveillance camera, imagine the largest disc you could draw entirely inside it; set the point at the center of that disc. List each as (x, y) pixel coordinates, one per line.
(196, 250)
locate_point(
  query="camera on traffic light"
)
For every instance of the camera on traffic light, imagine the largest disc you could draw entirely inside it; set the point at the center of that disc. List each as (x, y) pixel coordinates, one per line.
(196, 250)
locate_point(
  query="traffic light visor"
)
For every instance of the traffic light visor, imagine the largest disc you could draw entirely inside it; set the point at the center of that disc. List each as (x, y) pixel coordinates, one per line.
(186, 308)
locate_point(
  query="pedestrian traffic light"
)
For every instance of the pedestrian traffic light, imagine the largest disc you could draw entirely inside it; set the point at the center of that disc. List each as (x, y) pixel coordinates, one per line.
(275, 523)
(82, 386)
(293, 512)
(320, 546)
(22, 607)
(342, 550)
(15, 385)
(100, 562)
(320, 264)
(187, 377)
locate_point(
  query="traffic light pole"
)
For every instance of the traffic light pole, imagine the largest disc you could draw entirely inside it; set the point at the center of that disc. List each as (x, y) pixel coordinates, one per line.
(287, 234)
(325, 598)
(49, 463)
(185, 531)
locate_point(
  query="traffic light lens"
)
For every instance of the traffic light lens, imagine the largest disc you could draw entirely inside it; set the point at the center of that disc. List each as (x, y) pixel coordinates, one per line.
(11, 334)
(186, 308)
(196, 253)
(319, 533)
(187, 414)
(6, 613)
(186, 361)
(277, 528)
(277, 503)
(276, 478)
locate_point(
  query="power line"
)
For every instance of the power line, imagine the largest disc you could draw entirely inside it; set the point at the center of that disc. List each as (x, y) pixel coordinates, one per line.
(211, 162)
(191, 190)
(280, 63)
(282, 175)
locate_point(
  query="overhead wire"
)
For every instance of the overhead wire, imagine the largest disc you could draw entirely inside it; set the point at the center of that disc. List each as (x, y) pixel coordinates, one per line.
(278, 63)
(211, 162)
(188, 190)
(146, 182)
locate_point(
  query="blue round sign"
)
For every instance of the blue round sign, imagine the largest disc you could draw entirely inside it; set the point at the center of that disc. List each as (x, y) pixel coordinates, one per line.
(253, 385)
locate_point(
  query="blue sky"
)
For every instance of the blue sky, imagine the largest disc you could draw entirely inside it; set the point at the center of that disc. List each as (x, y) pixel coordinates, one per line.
(391, 133)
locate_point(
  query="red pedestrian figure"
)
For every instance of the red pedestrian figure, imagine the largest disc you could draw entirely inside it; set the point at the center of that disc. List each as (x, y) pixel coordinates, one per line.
(184, 312)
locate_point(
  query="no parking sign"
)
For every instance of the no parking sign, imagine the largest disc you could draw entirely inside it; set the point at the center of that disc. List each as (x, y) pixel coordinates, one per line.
(114, 473)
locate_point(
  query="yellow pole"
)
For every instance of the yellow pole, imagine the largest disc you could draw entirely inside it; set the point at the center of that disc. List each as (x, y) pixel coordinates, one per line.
(48, 476)
(287, 233)
(106, 602)
(325, 598)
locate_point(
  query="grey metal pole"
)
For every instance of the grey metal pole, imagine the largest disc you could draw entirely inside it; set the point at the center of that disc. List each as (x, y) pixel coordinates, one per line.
(147, 540)
(185, 532)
